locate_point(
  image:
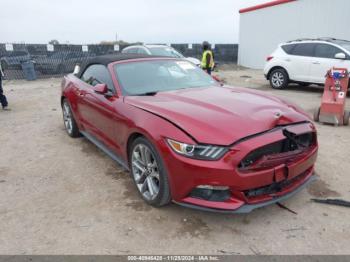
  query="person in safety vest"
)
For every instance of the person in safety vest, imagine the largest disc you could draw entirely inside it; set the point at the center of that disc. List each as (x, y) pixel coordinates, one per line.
(207, 63)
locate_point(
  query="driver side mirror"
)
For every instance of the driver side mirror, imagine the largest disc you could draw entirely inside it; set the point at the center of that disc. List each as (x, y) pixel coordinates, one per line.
(101, 89)
(340, 56)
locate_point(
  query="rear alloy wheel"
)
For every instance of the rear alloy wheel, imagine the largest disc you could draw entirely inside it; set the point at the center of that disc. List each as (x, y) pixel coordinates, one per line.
(346, 118)
(279, 79)
(149, 173)
(69, 121)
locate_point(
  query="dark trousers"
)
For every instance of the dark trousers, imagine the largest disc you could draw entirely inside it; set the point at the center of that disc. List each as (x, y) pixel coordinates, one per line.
(3, 100)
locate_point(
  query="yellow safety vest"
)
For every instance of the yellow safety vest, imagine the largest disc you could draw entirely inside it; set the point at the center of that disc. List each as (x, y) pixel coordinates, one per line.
(204, 59)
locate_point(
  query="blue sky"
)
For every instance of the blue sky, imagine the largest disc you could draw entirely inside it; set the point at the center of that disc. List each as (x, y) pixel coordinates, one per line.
(149, 21)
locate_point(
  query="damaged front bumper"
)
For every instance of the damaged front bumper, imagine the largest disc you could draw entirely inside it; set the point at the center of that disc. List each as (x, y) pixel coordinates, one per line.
(233, 185)
(247, 208)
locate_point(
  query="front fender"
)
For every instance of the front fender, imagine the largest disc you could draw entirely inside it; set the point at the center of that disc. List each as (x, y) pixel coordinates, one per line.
(154, 128)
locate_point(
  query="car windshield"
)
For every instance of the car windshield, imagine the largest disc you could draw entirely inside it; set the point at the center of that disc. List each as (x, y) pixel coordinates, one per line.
(146, 77)
(165, 51)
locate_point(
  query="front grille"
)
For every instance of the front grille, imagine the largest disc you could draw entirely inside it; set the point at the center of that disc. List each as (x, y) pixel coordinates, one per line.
(278, 152)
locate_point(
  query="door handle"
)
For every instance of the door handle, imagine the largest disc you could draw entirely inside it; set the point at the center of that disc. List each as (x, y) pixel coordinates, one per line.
(316, 63)
(287, 60)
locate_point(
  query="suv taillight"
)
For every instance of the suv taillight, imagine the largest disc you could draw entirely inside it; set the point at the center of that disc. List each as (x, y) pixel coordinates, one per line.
(269, 58)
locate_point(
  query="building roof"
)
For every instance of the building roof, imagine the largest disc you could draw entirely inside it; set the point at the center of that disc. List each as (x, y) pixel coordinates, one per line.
(261, 6)
(107, 59)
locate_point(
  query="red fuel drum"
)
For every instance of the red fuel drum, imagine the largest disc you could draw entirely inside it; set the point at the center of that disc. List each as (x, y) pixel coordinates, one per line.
(332, 108)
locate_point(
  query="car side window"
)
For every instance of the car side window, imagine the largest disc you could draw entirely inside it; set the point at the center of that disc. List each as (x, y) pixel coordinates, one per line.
(326, 51)
(305, 49)
(98, 74)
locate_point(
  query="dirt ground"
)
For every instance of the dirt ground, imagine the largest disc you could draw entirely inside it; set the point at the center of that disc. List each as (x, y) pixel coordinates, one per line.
(60, 195)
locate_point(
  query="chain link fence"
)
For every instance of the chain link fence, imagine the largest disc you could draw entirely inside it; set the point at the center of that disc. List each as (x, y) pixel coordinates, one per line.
(57, 60)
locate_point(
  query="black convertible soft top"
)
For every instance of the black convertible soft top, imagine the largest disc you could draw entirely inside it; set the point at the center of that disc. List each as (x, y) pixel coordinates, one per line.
(107, 59)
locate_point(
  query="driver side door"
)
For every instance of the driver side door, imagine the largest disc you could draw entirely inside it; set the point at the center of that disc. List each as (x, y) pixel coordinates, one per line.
(98, 111)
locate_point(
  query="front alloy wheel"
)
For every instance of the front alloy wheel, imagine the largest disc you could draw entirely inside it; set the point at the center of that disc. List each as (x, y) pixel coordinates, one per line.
(145, 171)
(148, 173)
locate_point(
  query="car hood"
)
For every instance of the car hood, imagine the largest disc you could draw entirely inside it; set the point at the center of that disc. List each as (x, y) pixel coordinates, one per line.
(219, 115)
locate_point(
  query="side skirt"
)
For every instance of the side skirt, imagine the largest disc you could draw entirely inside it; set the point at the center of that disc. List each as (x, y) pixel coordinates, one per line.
(105, 149)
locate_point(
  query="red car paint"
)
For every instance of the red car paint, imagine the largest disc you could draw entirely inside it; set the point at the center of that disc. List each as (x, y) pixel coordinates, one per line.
(239, 118)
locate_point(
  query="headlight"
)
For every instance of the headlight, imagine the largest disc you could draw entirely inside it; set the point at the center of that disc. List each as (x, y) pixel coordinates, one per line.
(203, 152)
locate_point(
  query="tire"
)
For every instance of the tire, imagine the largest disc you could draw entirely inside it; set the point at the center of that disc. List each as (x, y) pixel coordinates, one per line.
(154, 176)
(346, 118)
(68, 119)
(279, 79)
(317, 114)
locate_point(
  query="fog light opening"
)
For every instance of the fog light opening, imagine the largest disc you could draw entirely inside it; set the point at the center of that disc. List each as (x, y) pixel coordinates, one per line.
(211, 193)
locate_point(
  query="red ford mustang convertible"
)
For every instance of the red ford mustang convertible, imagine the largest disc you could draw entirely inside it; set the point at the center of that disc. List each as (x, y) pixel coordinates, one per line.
(186, 138)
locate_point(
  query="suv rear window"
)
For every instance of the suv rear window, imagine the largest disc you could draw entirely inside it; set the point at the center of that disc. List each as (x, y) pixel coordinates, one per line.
(288, 48)
(306, 49)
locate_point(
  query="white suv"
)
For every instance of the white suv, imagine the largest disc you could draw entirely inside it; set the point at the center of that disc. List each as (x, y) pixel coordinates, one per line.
(306, 61)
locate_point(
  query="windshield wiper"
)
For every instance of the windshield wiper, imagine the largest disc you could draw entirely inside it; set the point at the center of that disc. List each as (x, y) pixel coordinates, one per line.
(147, 94)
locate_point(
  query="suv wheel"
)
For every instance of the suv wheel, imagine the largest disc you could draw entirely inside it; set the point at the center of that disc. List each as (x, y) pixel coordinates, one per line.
(279, 79)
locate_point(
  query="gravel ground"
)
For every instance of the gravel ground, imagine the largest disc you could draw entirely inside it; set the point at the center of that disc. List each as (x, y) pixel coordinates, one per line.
(64, 196)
